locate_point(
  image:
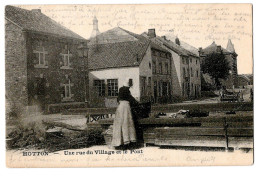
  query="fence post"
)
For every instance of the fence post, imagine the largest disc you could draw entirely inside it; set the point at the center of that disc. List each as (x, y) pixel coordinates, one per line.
(226, 133)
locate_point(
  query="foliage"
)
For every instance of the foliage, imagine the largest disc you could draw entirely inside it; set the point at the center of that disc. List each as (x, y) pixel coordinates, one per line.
(217, 66)
(205, 86)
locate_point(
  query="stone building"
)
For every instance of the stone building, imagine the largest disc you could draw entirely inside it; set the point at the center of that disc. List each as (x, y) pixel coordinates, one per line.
(230, 55)
(244, 80)
(118, 54)
(42, 62)
(185, 68)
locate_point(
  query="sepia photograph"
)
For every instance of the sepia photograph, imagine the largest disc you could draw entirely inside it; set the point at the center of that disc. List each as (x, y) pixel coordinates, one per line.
(122, 85)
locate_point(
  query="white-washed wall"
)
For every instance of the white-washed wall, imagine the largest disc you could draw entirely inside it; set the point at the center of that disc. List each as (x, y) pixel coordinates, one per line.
(176, 74)
(117, 73)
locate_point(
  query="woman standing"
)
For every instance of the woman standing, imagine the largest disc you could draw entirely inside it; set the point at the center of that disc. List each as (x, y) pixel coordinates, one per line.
(123, 128)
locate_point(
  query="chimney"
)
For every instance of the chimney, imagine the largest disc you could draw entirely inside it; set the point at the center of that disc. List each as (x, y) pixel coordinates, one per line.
(164, 37)
(151, 33)
(200, 50)
(218, 49)
(177, 41)
(137, 58)
(36, 10)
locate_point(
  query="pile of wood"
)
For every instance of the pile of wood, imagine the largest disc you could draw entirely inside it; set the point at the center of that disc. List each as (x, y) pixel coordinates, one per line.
(25, 136)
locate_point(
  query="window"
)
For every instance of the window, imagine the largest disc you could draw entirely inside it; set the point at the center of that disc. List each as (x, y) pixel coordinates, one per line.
(66, 58)
(67, 91)
(191, 72)
(183, 60)
(160, 68)
(149, 81)
(112, 85)
(154, 67)
(40, 61)
(190, 60)
(196, 61)
(187, 60)
(160, 88)
(131, 83)
(183, 89)
(197, 73)
(143, 85)
(67, 94)
(166, 68)
(100, 87)
(184, 72)
(163, 55)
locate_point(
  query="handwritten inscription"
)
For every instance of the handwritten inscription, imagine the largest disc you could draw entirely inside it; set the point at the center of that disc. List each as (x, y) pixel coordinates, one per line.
(202, 160)
(213, 22)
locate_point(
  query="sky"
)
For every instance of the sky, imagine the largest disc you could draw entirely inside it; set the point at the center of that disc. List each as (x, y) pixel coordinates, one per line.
(197, 24)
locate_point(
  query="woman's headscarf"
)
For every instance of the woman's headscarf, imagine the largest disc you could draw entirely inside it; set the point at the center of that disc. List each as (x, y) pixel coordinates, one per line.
(126, 82)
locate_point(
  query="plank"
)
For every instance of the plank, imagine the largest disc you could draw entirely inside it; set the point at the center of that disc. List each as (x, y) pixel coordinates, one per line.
(222, 106)
(240, 132)
(241, 142)
(240, 124)
(149, 140)
(212, 125)
(198, 141)
(190, 131)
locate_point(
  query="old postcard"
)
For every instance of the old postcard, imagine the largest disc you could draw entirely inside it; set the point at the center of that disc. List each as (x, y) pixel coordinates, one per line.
(129, 85)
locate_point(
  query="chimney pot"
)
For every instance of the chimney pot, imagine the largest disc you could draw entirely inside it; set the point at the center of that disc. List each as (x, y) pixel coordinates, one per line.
(151, 33)
(177, 41)
(218, 48)
(36, 10)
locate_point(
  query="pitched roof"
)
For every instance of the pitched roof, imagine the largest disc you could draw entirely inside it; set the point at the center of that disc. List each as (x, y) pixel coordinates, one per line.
(176, 48)
(114, 35)
(213, 48)
(37, 22)
(119, 48)
(230, 46)
(183, 44)
(115, 55)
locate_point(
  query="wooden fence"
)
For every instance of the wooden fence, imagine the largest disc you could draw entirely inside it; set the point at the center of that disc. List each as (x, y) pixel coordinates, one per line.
(225, 131)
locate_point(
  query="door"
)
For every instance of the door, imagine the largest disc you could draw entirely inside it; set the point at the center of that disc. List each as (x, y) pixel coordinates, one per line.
(39, 96)
(155, 91)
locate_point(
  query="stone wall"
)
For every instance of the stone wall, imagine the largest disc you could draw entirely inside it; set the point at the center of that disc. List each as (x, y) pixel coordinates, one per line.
(15, 66)
(54, 75)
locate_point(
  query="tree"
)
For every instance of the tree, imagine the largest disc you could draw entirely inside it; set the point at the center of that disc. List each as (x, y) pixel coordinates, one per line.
(217, 66)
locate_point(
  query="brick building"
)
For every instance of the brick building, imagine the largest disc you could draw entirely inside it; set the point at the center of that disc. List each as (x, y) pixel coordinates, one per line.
(42, 62)
(230, 55)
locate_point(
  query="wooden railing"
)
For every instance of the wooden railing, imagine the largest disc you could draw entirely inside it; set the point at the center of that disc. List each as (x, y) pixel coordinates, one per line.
(95, 114)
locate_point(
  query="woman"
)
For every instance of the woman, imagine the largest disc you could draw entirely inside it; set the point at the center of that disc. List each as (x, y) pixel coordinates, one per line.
(123, 128)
